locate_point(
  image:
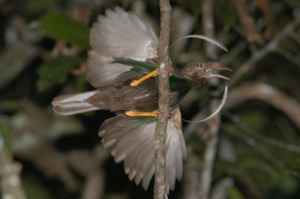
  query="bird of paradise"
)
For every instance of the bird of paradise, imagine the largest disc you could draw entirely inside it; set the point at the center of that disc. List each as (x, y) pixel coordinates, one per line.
(122, 67)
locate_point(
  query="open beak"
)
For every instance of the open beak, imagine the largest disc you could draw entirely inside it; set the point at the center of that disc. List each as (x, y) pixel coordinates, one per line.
(211, 74)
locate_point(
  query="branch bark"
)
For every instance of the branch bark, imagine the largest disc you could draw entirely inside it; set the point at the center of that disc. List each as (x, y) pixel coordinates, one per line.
(160, 188)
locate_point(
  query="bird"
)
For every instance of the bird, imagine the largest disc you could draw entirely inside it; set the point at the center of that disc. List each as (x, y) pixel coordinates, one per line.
(124, 51)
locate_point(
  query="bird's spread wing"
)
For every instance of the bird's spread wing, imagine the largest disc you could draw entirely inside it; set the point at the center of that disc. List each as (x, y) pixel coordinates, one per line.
(133, 142)
(118, 34)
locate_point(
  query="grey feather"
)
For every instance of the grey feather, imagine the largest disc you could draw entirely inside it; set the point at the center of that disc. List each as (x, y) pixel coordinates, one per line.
(118, 34)
(135, 146)
(73, 104)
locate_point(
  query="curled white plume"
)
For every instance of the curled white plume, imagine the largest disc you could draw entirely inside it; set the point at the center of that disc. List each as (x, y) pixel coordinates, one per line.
(212, 41)
(224, 98)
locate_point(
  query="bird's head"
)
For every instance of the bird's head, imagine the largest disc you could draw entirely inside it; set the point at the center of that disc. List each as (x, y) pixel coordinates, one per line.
(200, 72)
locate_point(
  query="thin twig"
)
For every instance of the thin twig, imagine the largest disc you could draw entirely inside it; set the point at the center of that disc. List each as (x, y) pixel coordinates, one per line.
(259, 137)
(268, 48)
(214, 123)
(268, 94)
(95, 176)
(256, 145)
(160, 188)
(11, 186)
(247, 22)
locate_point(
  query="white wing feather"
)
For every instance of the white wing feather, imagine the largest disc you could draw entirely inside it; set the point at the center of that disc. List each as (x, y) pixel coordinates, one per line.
(135, 146)
(118, 34)
(73, 103)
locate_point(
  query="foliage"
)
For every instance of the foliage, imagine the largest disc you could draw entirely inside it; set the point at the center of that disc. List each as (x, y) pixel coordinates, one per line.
(58, 67)
(62, 27)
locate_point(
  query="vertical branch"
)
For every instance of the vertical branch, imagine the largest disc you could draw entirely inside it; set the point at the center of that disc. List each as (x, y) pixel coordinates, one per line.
(160, 187)
(214, 123)
(9, 175)
(208, 27)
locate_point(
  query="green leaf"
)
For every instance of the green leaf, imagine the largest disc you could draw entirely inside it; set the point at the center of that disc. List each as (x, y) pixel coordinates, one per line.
(234, 193)
(293, 165)
(34, 188)
(61, 27)
(5, 136)
(54, 71)
(33, 6)
(255, 119)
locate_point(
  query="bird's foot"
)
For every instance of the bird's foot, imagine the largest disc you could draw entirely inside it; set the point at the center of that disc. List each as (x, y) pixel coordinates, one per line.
(141, 114)
(147, 76)
(144, 78)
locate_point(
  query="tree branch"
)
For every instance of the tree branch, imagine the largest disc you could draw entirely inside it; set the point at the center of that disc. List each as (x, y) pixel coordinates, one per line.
(11, 186)
(267, 94)
(214, 123)
(247, 22)
(272, 46)
(160, 188)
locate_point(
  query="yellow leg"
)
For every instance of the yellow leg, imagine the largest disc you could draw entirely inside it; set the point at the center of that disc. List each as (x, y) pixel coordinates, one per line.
(141, 114)
(142, 79)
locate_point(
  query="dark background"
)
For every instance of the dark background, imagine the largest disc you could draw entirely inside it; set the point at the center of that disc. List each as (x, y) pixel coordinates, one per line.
(62, 157)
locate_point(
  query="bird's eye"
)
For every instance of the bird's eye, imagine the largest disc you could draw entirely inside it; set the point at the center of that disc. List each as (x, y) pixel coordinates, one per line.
(199, 65)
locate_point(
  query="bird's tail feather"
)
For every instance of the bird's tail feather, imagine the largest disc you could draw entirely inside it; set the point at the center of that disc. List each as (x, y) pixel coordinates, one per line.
(73, 104)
